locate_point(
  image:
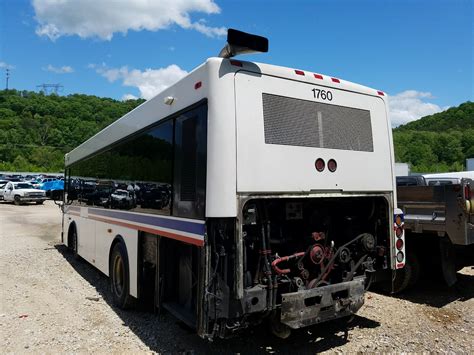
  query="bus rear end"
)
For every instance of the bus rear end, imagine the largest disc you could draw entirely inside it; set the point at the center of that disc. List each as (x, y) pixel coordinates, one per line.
(315, 195)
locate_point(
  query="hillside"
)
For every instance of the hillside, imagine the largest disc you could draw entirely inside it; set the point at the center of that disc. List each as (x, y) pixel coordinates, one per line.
(36, 130)
(437, 143)
(458, 118)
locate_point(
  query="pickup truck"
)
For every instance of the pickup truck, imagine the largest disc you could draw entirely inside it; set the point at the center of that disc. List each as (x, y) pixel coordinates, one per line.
(439, 226)
(21, 192)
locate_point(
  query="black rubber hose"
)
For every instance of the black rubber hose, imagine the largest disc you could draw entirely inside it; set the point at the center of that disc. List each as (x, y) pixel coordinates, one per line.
(267, 269)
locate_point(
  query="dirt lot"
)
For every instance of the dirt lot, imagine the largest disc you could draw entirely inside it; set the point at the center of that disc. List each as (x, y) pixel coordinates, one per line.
(52, 303)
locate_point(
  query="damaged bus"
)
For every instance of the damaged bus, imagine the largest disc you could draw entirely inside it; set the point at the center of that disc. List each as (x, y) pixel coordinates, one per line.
(243, 193)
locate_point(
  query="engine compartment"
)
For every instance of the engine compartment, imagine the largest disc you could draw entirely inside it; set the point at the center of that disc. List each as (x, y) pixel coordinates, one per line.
(300, 244)
(299, 261)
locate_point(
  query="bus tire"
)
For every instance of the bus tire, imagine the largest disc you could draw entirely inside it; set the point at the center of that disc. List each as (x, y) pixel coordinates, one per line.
(119, 276)
(408, 275)
(415, 269)
(72, 241)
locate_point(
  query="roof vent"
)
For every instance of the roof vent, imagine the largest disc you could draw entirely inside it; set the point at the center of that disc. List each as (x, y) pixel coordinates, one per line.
(239, 42)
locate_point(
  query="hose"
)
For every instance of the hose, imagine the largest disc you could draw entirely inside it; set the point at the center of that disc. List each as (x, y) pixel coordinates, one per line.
(285, 258)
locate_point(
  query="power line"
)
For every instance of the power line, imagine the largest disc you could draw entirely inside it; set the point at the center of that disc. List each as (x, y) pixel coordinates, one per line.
(50, 88)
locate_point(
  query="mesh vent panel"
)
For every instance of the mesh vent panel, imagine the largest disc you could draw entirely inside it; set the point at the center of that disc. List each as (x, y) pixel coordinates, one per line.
(296, 122)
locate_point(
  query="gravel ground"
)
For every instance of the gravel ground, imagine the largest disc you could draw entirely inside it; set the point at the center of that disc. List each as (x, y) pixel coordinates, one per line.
(51, 303)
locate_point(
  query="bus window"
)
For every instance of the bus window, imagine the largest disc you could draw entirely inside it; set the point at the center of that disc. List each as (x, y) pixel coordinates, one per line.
(190, 164)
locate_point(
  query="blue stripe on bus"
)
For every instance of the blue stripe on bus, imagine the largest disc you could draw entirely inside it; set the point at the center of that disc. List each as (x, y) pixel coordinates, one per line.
(159, 221)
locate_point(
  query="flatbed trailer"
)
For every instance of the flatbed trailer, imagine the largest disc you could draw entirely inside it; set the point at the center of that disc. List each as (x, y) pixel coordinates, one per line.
(439, 227)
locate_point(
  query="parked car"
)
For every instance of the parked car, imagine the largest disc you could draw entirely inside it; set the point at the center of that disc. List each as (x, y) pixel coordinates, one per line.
(156, 198)
(122, 199)
(52, 188)
(2, 186)
(20, 192)
(39, 182)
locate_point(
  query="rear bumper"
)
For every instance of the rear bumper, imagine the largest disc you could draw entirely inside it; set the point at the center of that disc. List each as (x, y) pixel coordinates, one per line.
(304, 308)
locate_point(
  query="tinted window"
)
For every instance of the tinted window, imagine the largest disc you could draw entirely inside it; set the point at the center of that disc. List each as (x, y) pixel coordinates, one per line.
(190, 164)
(138, 173)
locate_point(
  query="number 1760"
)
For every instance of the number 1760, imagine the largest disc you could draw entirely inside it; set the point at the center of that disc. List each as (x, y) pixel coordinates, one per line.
(322, 94)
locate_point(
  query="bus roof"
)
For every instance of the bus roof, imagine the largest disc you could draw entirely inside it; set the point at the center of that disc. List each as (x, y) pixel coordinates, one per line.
(226, 66)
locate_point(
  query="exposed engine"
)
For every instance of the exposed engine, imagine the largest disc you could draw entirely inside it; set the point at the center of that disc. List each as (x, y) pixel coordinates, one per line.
(304, 260)
(293, 245)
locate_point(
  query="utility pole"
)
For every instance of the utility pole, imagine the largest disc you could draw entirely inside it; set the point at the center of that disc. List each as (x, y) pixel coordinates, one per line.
(8, 77)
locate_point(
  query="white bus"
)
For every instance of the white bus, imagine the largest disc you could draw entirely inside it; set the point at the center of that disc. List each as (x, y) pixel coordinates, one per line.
(243, 192)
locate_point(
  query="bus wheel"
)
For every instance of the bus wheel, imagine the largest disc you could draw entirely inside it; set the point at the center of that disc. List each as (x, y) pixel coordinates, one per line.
(407, 276)
(72, 241)
(119, 277)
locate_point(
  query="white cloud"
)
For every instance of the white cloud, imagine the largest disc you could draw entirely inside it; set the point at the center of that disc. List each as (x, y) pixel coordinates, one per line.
(149, 82)
(410, 105)
(4, 65)
(102, 19)
(65, 69)
(129, 97)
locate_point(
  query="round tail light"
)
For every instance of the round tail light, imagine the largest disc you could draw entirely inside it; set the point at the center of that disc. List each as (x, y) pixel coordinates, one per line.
(332, 165)
(398, 232)
(398, 220)
(400, 256)
(399, 244)
(319, 164)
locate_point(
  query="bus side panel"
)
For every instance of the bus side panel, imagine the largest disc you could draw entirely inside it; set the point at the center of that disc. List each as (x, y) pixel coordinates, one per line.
(104, 240)
(221, 142)
(95, 241)
(85, 238)
(105, 235)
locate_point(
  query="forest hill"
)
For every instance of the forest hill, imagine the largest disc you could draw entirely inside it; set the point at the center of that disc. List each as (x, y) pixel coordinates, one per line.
(36, 130)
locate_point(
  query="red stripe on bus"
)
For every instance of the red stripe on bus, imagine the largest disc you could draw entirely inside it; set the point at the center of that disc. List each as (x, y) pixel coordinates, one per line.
(181, 238)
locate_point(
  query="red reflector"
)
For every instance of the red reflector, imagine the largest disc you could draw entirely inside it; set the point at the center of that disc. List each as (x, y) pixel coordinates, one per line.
(319, 164)
(236, 63)
(299, 72)
(399, 266)
(399, 244)
(318, 76)
(398, 232)
(332, 165)
(467, 192)
(335, 80)
(198, 85)
(380, 93)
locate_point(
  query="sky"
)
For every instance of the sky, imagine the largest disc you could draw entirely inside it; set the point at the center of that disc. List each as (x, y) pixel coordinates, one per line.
(421, 52)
